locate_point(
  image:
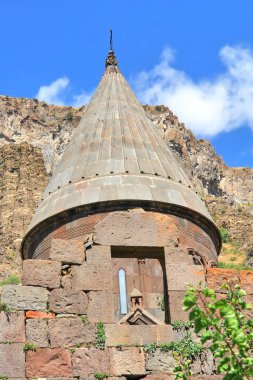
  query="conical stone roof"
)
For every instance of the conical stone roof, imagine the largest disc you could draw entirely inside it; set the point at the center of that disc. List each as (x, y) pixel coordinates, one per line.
(114, 155)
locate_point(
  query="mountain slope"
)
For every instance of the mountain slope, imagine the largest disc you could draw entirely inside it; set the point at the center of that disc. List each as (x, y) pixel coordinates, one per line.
(33, 136)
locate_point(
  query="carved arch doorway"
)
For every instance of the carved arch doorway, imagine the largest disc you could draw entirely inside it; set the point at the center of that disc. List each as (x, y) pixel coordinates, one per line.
(139, 274)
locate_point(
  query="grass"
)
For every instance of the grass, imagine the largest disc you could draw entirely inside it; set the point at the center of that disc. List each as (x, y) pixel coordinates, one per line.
(231, 254)
(100, 375)
(13, 279)
(29, 346)
(233, 266)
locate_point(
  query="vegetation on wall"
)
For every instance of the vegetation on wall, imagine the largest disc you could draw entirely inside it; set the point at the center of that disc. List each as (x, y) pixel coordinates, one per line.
(225, 327)
(100, 375)
(13, 279)
(29, 346)
(100, 336)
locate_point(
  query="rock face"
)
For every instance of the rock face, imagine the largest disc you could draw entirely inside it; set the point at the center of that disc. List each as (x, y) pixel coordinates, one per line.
(22, 180)
(33, 136)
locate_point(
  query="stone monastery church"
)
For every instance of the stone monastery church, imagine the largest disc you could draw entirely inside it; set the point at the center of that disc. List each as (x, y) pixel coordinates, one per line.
(117, 238)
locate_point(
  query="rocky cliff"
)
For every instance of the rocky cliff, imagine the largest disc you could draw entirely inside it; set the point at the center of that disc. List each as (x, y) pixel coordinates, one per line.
(33, 136)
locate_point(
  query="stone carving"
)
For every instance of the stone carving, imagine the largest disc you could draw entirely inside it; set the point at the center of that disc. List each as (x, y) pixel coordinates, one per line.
(138, 315)
(111, 60)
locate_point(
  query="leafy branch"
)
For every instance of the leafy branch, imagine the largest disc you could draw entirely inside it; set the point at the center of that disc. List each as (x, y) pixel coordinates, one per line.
(224, 324)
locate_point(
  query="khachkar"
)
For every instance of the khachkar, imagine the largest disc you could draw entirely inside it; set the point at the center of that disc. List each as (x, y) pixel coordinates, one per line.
(118, 236)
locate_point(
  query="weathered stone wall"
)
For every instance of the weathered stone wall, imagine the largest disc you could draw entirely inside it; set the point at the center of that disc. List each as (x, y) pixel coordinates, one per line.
(133, 227)
(48, 329)
(22, 179)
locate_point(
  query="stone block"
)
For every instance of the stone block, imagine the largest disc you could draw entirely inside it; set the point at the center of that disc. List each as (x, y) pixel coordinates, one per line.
(132, 335)
(205, 364)
(69, 332)
(127, 361)
(92, 377)
(176, 255)
(37, 332)
(180, 276)
(160, 376)
(12, 327)
(99, 254)
(24, 297)
(175, 303)
(209, 377)
(39, 314)
(48, 362)
(67, 251)
(68, 301)
(95, 273)
(101, 307)
(12, 360)
(87, 361)
(44, 273)
(218, 276)
(246, 280)
(91, 277)
(134, 227)
(160, 362)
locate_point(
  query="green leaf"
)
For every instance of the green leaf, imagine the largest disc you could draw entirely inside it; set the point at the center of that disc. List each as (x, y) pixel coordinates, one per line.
(189, 302)
(231, 323)
(207, 292)
(241, 293)
(194, 313)
(199, 324)
(207, 335)
(227, 312)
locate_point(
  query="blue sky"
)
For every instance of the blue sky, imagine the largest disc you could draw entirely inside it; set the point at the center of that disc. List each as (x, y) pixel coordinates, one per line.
(194, 56)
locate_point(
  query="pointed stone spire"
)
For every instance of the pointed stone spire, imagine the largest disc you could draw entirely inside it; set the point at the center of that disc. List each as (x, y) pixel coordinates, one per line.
(116, 156)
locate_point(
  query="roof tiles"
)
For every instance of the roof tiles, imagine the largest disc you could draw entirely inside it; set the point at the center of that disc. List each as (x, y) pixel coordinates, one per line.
(115, 153)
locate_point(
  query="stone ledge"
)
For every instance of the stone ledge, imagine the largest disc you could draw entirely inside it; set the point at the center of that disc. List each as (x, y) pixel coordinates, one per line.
(132, 335)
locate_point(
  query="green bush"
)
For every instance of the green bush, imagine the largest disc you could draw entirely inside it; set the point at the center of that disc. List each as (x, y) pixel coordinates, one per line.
(69, 115)
(224, 234)
(226, 326)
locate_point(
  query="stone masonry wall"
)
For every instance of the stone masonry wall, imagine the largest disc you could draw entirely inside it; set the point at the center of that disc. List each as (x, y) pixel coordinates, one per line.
(50, 326)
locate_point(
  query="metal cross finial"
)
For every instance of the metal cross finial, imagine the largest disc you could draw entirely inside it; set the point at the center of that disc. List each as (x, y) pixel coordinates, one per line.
(111, 60)
(111, 46)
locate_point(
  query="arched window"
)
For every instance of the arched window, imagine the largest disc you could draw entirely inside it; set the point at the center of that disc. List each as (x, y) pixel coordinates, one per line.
(122, 291)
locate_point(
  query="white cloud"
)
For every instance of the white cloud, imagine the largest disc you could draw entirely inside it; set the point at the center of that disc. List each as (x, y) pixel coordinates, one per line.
(57, 93)
(54, 92)
(81, 99)
(209, 106)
